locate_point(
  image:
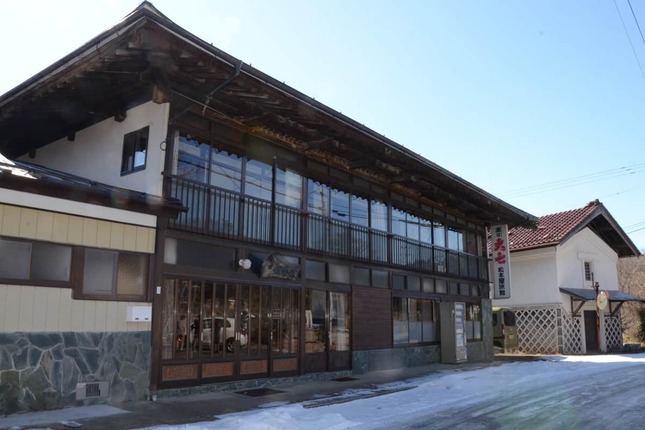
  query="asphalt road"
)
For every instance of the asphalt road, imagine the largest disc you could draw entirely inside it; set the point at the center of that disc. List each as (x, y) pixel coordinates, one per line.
(596, 400)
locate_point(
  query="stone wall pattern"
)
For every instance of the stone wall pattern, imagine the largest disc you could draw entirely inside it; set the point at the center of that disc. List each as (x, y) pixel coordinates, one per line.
(39, 371)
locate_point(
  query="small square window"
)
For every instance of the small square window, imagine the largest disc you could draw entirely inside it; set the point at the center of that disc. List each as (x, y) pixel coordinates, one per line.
(135, 149)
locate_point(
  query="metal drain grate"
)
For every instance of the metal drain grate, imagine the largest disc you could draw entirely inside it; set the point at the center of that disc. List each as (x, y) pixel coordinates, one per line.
(259, 392)
(88, 390)
(344, 379)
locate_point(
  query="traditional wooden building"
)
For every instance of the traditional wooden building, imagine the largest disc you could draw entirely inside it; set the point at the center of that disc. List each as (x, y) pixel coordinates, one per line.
(308, 244)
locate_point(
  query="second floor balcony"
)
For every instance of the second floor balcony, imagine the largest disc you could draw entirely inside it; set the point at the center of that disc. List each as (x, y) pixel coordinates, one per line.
(221, 213)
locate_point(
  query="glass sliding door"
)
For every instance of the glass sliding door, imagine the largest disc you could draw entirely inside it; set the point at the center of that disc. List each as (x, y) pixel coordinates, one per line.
(327, 331)
(217, 331)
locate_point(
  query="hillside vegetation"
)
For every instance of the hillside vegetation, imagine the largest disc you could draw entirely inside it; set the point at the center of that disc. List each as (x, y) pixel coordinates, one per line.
(631, 278)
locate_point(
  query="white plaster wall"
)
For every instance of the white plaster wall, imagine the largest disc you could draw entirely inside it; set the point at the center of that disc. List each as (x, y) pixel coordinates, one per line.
(586, 246)
(533, 278)
(97, 150)
(537, 275)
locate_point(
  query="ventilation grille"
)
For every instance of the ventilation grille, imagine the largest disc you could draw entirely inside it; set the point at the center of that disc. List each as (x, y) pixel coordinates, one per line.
(91, 390)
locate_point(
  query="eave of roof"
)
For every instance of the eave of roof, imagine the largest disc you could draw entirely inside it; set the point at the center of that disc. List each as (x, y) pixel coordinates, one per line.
(589, 295)
(493, 209)
(40, 180)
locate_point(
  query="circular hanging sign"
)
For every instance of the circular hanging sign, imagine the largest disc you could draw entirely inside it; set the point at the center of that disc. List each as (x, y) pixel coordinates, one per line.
(602, 299)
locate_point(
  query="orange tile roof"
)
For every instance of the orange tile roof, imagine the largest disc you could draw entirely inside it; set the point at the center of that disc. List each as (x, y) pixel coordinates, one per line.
(552, 229)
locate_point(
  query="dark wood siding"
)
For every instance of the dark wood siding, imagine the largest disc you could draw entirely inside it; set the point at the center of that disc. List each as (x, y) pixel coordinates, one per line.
(372, 318)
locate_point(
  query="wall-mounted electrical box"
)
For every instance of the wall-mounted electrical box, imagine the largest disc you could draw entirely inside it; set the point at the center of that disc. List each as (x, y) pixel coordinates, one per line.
(139, 313)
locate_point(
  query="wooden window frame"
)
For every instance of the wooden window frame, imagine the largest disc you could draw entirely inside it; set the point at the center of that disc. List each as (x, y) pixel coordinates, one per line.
(78, 266)
(130, 144)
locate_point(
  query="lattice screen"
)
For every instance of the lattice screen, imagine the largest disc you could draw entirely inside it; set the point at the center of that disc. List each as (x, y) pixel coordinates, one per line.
(554, 331)
(537, 331)
(613, 332)
(571, 334)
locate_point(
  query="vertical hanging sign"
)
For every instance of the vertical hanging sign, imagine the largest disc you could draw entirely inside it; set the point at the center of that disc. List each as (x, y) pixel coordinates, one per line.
(501, 262)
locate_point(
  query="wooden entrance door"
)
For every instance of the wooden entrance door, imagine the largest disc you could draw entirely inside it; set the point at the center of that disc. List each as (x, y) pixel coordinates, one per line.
(591, 331)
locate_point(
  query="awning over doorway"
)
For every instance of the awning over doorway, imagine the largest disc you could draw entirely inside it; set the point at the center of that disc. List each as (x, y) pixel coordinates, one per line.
(583, 295)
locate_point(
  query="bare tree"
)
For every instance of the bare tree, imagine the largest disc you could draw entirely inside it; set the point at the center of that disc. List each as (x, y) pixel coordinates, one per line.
(631, 279)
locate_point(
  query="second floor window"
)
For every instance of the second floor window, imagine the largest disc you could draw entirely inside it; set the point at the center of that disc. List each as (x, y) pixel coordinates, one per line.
(135, 148)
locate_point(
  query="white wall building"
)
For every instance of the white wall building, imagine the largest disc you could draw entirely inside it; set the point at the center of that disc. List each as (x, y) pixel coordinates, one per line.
(557, 272)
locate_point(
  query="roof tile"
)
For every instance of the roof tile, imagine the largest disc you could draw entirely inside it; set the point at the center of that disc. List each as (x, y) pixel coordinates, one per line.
(551, 229)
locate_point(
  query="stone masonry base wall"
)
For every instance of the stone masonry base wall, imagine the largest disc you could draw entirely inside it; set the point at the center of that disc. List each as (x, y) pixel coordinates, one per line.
(39, 371)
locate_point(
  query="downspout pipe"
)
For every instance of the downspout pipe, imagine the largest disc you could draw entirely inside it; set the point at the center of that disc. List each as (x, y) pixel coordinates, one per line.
(209, 97)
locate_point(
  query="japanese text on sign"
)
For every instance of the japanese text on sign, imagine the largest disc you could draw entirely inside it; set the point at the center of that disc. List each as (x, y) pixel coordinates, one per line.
(501, 262)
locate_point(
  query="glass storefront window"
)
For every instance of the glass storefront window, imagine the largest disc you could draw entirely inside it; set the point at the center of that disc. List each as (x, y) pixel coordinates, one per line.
(315, 321)
(413, 321)
(339, 312)
(473, 322)
(285, 317)
(400, 320)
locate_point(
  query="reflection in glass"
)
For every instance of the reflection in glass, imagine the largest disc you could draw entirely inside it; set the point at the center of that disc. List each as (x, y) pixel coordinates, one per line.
(439, 234)
(455, 239)
(288, 188)
(399, 320)
(259, 179)
(398, 222)
(318, 198)
(339, 205)
(378, 211)
(168, 326)
(192, 159)
(315, 321)
(359, 211)
(339, 313)
(226, 170)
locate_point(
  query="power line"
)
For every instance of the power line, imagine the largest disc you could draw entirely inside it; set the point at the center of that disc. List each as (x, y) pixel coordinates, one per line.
(578, 180)
(640, 67)
(636, 20)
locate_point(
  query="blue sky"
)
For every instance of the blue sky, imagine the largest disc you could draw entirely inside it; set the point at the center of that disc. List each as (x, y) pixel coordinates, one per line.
(506, 94)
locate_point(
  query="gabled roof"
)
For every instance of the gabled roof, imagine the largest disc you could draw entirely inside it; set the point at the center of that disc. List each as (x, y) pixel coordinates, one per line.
(146, 57)
(555, 229)
(35, 179)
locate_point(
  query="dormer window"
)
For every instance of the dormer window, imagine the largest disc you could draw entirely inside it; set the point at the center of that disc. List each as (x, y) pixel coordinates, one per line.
(135, 149)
